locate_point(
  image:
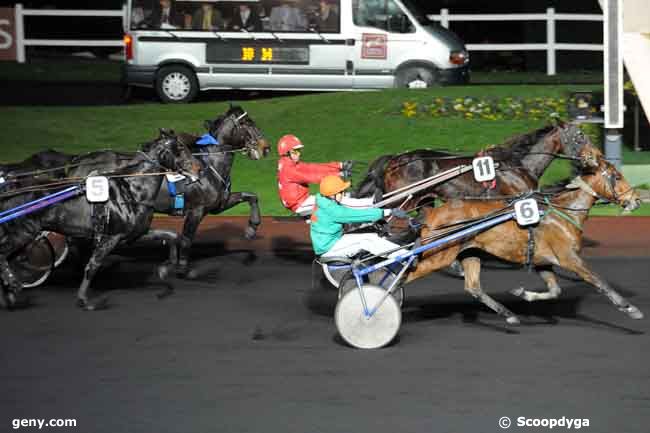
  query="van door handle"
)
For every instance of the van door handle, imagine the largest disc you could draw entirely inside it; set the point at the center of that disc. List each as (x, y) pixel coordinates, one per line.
(350, 42)
(349, 67)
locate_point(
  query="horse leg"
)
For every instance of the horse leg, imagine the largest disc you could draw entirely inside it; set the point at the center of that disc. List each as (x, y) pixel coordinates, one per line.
(103, 246)
(190, 226)
(472, 268)
(169, 238)
(12, 291)
(579, 266)
(553, 292)
(165, 268)
(254, 219)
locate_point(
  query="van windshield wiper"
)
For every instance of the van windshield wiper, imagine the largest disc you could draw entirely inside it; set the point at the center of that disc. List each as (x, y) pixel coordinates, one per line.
(313, 30)
(221, 38)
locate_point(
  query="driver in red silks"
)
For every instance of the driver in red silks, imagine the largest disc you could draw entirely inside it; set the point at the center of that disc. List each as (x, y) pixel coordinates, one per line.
(295, 176)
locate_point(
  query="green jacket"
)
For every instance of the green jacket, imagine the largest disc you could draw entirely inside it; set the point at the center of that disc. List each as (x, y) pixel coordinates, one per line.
(328, 218)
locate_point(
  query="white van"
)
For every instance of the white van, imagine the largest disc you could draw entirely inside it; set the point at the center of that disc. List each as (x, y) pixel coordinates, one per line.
(181, 47)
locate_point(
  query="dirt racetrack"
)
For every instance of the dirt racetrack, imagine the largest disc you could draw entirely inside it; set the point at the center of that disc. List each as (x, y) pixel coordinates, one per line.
(604, 236)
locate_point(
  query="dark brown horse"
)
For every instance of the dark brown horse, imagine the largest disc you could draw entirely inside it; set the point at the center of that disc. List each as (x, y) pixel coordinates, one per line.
(556, 240)
(522, 161)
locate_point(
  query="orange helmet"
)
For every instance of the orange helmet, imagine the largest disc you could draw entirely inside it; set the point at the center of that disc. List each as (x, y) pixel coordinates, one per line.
(288, 143)
(331, 185)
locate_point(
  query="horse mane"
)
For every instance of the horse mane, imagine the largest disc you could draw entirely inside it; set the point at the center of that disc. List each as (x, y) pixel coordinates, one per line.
(516, 147)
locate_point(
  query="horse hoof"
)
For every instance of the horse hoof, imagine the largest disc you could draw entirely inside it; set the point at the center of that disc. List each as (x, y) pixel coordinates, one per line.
(633, 312)
(513, 320)
(85, 305)
(250, 233)
(518, 292)
(16, 301)
(163, 272)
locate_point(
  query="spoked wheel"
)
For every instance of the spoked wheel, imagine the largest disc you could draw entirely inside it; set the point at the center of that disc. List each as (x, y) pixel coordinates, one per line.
(383, 278)
(335, 271)
(34, 264)
(367, 331)
(59, 245)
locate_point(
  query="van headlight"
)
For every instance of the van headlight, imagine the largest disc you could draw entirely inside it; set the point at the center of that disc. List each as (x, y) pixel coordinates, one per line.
(459, 57)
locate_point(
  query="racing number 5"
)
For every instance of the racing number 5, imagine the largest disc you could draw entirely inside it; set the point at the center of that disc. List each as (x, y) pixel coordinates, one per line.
(97, 189)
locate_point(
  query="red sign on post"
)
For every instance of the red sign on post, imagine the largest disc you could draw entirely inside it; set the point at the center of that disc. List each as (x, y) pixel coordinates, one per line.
(7, 34)
(373, 46)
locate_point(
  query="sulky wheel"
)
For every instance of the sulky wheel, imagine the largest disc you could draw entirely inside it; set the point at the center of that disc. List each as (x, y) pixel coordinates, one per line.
(381, 278)
(367, 331)
(60, 246)
(334, 271)
(34, 264)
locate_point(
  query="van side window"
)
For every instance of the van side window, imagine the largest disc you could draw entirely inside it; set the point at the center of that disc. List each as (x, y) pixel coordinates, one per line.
(382, 14)
(288, 16)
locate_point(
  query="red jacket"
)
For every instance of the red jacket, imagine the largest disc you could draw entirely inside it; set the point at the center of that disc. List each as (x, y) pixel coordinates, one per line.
(294, 179)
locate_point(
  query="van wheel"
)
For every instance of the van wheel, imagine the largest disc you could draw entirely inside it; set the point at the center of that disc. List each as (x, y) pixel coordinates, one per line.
(176, 84)
(415, 77)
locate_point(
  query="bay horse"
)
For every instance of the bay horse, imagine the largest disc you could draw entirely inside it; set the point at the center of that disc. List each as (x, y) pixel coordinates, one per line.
(125, 217)
(556, 240)
(522, 161)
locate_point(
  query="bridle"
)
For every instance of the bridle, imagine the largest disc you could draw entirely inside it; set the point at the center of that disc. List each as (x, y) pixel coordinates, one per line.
(245, 132)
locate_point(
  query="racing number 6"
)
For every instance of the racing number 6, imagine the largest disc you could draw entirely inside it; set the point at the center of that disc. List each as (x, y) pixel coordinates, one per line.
(97, 189)
(527, 212)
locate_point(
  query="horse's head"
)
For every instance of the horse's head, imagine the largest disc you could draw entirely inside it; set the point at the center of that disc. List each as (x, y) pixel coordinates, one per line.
(602, 180)
(235, 128)
(171, 154)
(571, 139)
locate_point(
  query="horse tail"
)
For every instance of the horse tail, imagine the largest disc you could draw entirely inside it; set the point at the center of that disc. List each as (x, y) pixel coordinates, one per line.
(373, 182)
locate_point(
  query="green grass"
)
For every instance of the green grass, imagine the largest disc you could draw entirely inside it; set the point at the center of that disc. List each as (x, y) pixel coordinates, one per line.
(333, 126)
(613, 210)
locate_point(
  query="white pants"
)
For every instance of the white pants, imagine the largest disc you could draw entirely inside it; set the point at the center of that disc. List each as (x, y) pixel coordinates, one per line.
(307, 206)
(352, 243)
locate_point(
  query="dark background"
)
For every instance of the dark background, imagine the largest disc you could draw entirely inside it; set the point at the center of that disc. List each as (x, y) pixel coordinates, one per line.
(474, 32)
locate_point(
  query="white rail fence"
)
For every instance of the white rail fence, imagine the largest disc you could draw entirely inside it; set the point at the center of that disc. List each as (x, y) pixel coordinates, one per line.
(551, 46)
(551, 17)
(21, 42)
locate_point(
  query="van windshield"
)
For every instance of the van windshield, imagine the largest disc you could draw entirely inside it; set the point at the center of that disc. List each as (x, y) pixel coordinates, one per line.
(417, 12)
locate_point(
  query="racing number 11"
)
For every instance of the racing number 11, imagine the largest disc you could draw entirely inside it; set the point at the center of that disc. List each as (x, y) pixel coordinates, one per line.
(483, 168)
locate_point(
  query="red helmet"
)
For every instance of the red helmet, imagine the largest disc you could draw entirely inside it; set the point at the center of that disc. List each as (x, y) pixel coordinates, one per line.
(287, 143)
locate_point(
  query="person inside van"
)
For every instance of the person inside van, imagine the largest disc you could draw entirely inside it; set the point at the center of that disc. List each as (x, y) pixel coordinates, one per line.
(207, 17)
(287, 18)
(246, 18)
(165, 16)
(328, 17)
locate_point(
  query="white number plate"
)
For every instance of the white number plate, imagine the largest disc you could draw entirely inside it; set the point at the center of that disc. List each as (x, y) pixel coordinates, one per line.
(97, 189)
(527, 212)
(174, 177)
(483, 168)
